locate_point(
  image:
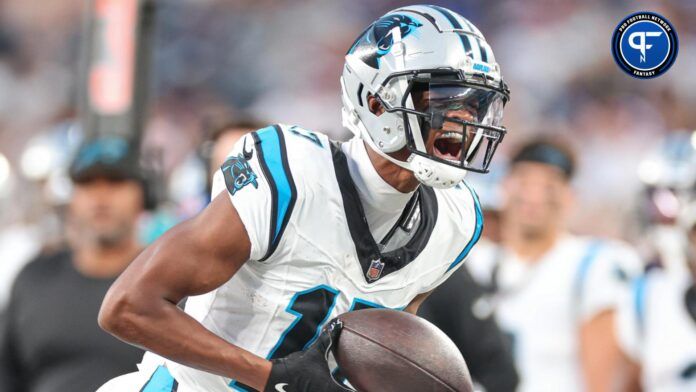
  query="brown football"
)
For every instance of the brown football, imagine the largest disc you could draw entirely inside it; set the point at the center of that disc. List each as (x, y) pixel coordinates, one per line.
(382, 350)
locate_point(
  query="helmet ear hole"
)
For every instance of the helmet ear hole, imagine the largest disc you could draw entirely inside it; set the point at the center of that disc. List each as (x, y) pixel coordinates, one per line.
(374, 105)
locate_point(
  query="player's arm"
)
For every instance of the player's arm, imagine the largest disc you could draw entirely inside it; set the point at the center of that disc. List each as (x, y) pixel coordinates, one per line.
(627, 378)
(599, 352)
(605, 283)
(193, 258)
(416, 302)
(628, 329)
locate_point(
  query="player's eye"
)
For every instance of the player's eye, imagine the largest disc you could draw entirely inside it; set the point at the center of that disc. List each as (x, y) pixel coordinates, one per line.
(455, 106)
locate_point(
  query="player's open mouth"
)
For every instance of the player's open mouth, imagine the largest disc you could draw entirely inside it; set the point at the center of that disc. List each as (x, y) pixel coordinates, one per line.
(448, 145)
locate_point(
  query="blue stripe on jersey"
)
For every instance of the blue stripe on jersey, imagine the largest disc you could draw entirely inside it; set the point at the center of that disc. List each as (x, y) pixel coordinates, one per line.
(298, 316)
(477, 232)
(237, 387)
(639, 287)
(274, 162)
(160, 381)
(456, 25)
(270, 143)
(584, 267)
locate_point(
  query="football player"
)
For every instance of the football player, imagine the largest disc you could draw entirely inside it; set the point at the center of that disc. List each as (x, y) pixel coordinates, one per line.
(302, 229)
(668, 175)
(656, 323)
(553, 292)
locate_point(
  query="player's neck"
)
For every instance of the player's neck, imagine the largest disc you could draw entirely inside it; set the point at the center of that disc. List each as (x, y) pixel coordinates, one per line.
(102, 262)
(530, 248)
(383, 201)
(398, 177)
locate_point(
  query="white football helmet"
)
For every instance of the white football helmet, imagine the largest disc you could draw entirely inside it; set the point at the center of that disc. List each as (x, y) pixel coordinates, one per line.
(440, 89)
(668, 175)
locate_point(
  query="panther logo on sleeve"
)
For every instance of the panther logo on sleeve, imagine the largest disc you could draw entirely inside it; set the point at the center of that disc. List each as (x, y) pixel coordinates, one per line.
(238, 173)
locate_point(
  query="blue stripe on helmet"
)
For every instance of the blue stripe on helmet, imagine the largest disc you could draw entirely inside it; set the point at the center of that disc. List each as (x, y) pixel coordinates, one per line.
(456, 25)
(484, 50)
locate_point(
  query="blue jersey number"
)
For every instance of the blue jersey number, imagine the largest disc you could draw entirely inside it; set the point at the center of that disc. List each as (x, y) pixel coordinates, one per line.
(311, 309)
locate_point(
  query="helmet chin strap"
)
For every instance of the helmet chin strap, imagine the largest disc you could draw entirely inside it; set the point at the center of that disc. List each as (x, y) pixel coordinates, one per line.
(436, 174)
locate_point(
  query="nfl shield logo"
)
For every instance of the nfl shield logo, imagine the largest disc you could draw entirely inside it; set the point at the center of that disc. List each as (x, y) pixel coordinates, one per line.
(375, 270)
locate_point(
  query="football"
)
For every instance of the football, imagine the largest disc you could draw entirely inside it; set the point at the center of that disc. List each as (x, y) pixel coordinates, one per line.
(383, 350)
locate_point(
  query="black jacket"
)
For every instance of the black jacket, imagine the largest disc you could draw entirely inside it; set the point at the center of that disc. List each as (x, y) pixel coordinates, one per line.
(483, 345)
(49, 338)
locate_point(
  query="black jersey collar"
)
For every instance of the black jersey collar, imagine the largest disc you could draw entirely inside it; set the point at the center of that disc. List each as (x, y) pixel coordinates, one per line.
(365, 245)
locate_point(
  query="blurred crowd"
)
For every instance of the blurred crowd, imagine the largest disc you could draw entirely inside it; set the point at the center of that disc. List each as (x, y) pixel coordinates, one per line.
(216, 59)
(219, 64)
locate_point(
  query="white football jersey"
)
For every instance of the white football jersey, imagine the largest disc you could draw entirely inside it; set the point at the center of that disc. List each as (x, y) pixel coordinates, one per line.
(541, 304)
(667, 243)
(312, 254)
(655, 329)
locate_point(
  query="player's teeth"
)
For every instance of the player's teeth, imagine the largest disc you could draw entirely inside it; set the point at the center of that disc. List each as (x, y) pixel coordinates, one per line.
(451, 135)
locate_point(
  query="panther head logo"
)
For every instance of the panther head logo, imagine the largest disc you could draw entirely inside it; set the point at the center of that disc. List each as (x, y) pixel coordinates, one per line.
(378, 39)
(238, 173)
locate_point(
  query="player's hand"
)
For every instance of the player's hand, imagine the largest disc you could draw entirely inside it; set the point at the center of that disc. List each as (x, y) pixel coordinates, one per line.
(307, 371)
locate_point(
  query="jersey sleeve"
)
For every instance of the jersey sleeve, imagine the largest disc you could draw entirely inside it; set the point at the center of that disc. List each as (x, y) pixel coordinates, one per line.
(258, 180)
(604, 276)
(628, 325)
(242, 179)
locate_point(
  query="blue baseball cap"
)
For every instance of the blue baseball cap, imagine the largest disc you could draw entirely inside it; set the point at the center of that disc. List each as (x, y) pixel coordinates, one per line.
(105, 157)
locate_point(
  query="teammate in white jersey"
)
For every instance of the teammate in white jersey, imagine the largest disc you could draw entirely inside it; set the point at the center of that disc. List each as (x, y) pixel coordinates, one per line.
(553, 292)
(656, 323)
(668, 175)
(308, 229)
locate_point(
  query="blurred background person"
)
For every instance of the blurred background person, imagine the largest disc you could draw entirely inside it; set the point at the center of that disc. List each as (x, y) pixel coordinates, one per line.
(553, 292)
(190, 182)
(51, 340)
(668, 176)
(656, 322)
(43, 165)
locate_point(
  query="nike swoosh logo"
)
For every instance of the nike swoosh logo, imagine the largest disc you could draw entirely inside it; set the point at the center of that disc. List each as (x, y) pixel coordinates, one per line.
(281, 387)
